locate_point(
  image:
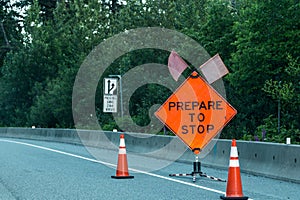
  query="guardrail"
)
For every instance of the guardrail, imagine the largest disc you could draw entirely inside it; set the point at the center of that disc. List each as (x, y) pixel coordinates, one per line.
(278, 161)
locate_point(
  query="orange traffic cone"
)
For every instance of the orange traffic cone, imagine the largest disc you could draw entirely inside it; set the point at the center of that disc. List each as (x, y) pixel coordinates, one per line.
(122, 168)
(234, 183)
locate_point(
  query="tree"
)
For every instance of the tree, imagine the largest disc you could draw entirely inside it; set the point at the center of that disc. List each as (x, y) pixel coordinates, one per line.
(78, 27)
(10, 28)
(217, 33)
(23, 69)
(286, 94)
(266, 32)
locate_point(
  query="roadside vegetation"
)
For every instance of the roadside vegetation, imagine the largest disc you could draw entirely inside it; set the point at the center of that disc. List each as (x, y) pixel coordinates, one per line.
(43, 43)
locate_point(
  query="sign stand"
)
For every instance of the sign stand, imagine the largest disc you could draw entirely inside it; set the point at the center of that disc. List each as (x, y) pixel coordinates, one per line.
(197, 171)
(196, 113)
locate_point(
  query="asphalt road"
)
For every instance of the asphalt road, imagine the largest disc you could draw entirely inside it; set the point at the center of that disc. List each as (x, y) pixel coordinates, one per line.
(46, 170)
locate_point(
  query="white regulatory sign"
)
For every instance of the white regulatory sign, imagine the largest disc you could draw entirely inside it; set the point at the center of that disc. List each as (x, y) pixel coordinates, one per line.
(110, 103)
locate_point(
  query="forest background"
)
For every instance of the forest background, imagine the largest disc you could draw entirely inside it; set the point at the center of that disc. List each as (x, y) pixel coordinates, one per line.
(44, 42)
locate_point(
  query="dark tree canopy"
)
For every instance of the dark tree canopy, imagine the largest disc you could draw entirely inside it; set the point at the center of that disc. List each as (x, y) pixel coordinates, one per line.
(42, 49)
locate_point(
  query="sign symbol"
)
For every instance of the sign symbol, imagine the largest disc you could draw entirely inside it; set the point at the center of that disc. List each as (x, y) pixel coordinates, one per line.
(110, 88)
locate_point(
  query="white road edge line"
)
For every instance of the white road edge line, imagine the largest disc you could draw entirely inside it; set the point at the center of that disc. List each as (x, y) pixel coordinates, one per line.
(113, 165)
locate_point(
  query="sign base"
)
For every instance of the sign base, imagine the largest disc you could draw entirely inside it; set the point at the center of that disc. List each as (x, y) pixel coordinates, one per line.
(197, 171)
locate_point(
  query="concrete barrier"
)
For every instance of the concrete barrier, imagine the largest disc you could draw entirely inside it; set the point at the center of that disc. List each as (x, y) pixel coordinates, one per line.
(278, 161)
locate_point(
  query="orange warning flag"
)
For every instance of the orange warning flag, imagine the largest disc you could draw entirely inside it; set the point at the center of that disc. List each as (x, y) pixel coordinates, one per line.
(213, 69)
(176, 65)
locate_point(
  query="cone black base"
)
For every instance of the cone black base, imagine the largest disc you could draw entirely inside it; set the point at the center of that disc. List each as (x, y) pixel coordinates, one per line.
(122, 177)
(234, 198)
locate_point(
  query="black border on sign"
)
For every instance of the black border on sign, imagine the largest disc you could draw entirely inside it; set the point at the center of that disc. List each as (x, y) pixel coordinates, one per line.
(218, 131)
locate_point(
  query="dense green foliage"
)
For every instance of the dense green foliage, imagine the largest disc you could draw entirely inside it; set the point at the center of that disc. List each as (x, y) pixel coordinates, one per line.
(42, 49)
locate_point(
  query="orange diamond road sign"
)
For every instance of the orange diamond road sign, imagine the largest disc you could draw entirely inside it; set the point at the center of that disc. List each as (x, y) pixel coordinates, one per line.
(195, 112)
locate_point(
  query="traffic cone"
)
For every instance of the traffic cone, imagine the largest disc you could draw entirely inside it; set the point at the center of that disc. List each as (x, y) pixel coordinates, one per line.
(234, 182)
(122, 168)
